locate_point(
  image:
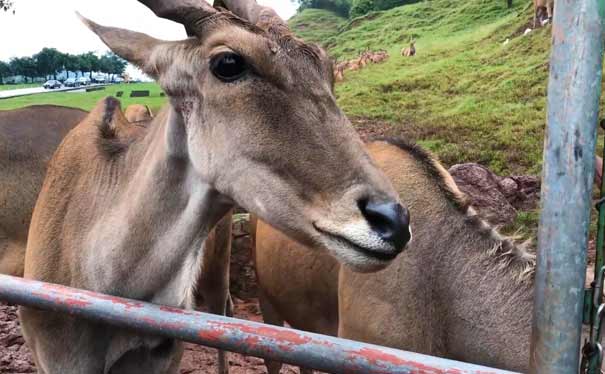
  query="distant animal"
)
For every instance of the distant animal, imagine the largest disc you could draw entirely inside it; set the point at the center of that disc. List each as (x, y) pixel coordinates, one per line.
(462, 291)
(127, 213)
(138, 113)
(543, 12)
(409, 51)
(379, 56)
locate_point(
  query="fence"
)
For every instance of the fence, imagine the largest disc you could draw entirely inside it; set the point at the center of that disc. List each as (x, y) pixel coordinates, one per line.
(573, 98)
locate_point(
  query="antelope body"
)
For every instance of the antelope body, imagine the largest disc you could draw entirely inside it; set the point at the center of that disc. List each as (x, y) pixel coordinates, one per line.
(409, 51)
(28, 139)
(126, 212)
(543, 11)
(460, 291)
(47, 125)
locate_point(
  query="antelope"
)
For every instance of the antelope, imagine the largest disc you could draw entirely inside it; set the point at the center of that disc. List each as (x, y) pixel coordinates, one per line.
(339, 72)
(460, 291)
(251, 112)
(379, 56)
(543, 12)
(28, 139)
(138, 113)
(24, 165)
(409, 51)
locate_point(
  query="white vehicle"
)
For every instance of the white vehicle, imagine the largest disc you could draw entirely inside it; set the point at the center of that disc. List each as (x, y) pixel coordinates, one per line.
(118, 80)
(83, 81)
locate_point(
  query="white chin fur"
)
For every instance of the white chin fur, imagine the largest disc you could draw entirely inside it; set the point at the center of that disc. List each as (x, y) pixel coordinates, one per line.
(353, 259)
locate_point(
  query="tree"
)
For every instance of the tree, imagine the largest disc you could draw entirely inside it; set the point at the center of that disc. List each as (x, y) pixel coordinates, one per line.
(361, 7)
(48, 62)
(341, 7)
(509, 3)
(5, 71)
(70, 63)
(88, 62)
(25, 66)
(5, 5)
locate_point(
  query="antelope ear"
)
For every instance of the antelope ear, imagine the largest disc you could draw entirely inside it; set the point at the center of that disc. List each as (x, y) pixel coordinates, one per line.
(134, 47)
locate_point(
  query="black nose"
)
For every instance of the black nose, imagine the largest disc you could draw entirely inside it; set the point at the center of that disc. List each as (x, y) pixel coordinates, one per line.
(390, 220)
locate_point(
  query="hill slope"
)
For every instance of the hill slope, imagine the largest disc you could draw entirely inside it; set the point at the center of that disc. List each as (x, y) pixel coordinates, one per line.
(466, 95)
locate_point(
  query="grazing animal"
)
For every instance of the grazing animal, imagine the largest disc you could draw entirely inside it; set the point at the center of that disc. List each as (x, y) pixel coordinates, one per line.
(127, 213)
(460, 291)
(543, 12)
(28, 138)
(409, 51)
(138, 113)
(380, 56)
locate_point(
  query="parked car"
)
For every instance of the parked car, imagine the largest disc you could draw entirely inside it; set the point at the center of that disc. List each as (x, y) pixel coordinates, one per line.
(83, 81)
(71, 82)
(99, 79)
(118, 80)
(52, 84)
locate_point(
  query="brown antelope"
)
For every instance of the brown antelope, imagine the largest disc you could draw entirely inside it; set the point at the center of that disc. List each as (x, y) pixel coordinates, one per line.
(28, 139)
(339, 72)
(543, 12)
(380, 56)
(460, 291)
(251, 113)
(138, 113)
(409, 51)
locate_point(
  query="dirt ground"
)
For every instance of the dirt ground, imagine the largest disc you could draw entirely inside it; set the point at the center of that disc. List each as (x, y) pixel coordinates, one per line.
(15, 357)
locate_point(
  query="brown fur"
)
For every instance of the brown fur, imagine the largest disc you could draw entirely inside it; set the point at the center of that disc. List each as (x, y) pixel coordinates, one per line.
(28, 139)
(213, 283)
(124, 209)
(138, 113)
(409, 51)
(543, 10)
(462, 291)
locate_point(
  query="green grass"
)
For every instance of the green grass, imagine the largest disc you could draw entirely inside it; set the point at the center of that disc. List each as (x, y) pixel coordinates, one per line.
(87, 100)
(316, 25)
(465, 96)
(6, 87)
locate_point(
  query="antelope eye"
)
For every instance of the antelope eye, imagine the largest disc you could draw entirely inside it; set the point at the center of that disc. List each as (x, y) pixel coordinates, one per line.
(228, 66)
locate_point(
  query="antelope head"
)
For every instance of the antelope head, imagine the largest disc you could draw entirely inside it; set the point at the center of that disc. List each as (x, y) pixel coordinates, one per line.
(254, 115)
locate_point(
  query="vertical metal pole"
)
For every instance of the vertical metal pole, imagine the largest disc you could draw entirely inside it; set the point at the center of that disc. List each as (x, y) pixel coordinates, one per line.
(573, 103)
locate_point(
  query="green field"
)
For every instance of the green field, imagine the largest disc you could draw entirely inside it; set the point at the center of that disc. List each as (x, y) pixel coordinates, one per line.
(466, 96)
(87, 100)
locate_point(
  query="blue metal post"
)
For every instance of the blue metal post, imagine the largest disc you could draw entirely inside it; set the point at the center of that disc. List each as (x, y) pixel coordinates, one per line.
(573, 103)
(315, 351)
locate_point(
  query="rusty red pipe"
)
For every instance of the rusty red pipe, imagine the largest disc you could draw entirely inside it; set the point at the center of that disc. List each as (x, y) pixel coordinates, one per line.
(314, 351)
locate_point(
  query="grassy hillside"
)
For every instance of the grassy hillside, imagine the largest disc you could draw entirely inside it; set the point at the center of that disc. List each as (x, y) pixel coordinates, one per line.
(466, 96)
(316, 25)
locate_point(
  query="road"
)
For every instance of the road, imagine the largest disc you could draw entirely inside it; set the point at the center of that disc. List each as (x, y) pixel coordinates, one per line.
(38, 90)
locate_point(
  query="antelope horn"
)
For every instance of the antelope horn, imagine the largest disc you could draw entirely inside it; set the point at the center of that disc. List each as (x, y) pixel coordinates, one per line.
(189, 13)
(261, 16)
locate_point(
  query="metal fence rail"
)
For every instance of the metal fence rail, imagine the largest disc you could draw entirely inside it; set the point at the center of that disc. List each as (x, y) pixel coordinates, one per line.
(315, 351)
(574, 89)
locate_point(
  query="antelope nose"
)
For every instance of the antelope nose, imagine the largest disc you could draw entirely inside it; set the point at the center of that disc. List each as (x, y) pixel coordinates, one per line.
(390, 220)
